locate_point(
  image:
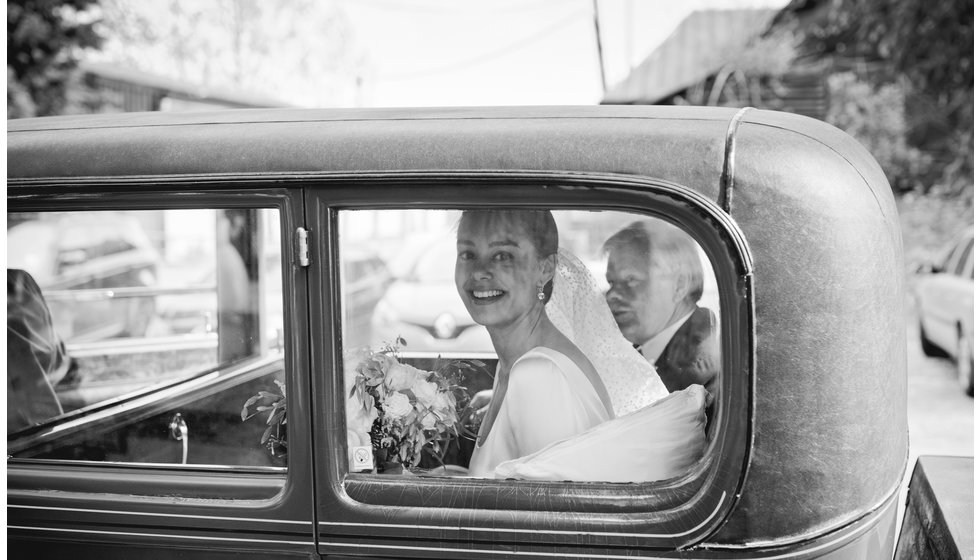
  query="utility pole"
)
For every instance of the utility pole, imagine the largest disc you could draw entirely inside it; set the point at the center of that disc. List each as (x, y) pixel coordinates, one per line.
(598, 41)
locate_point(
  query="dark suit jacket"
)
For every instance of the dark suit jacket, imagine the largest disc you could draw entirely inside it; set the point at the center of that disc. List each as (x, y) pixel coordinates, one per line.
(35, 354)
(692, 355)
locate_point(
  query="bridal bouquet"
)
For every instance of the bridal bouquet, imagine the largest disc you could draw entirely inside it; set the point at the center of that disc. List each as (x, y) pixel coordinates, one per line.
(409, 411)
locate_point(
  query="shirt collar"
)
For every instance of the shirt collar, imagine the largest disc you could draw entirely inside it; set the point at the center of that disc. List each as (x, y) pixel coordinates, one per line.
(653, 348)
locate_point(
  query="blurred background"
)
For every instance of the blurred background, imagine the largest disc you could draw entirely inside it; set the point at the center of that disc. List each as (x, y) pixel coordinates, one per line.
(895, 74)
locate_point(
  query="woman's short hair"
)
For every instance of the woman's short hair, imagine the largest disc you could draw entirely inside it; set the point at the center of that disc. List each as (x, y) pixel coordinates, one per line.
(539, 225)
(666, 248)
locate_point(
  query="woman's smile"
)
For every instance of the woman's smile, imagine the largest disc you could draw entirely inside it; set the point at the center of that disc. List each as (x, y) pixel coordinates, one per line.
(484, 297)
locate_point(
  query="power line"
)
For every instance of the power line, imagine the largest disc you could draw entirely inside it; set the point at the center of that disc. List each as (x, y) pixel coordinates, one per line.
(598, 42)
(486, 57)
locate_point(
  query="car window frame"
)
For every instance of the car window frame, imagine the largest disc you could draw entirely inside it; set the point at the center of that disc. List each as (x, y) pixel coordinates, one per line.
(242, 488)
(350, 508)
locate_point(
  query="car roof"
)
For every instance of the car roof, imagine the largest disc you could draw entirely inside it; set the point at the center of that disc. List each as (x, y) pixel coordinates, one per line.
(684, 145)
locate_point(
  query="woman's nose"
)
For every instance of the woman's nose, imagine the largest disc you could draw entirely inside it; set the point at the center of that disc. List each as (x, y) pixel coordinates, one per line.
(481, 270)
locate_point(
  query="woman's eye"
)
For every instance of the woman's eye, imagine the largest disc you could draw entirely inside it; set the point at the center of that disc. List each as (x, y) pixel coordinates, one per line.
(465, 255)
(502, 257)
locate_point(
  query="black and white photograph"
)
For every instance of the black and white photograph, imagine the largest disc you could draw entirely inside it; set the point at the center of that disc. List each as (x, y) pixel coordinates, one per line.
(571, 279)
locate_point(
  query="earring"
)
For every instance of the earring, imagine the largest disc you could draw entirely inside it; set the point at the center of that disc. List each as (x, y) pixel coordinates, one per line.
(541, 293)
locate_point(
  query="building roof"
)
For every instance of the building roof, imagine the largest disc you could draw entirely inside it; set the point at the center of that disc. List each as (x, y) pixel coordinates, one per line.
(179, 89)
(699, 47)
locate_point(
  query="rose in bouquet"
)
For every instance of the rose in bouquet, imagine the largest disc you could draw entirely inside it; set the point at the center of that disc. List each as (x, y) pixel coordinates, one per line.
(411, 412)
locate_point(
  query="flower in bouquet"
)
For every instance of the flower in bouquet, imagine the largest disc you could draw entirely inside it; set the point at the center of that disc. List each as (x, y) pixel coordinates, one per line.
(414, 411)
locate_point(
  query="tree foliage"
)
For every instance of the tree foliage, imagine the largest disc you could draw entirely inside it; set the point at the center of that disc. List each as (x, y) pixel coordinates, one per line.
(44, 40)
(876, 116)
(924, 48)
(293, 50)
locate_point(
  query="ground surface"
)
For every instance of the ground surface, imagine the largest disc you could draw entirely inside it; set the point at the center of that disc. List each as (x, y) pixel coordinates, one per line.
(940, 414)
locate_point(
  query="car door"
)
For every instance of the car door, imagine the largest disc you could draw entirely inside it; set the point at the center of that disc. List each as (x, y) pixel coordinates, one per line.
(157, 443)
(364, 509)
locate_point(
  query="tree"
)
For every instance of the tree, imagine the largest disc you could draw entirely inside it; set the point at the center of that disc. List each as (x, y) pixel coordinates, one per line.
(876, 117)
(294, 50)
(44, 41)
(925, 48)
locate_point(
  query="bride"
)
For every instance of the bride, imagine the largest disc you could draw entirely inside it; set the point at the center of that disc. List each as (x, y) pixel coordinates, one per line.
(571, 399)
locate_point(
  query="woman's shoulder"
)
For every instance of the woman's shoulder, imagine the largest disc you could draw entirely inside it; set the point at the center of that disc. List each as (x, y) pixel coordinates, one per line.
(541, 355)
(541, 364)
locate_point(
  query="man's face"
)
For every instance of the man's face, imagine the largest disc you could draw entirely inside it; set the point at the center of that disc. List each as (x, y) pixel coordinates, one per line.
(642, 299)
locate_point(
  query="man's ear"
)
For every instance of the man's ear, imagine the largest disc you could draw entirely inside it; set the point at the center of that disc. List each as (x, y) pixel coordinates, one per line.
(681, 287)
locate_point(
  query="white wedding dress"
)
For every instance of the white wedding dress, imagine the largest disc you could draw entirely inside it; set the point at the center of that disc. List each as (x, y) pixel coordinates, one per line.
(527, 423)
(653, 436)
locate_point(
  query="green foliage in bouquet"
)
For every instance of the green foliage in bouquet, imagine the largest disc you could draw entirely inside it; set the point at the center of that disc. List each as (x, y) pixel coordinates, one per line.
(274, 436)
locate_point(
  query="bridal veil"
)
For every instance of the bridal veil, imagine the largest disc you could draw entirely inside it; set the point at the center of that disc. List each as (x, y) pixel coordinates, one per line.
(579, 310)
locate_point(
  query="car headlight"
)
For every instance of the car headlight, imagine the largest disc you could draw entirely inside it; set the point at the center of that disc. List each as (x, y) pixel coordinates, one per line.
(444, 326)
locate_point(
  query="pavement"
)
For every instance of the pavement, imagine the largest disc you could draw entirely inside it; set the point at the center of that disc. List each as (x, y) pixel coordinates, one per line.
(940, 413)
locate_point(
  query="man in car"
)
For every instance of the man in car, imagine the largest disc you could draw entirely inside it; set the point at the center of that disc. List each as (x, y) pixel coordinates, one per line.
(36, 357)
(655, 282)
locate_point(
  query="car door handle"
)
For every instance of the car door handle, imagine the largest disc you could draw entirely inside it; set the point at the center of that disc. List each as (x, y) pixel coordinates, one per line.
(178, 431)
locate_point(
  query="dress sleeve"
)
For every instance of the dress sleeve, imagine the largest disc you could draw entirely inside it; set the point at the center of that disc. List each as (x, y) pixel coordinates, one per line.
(542, 407)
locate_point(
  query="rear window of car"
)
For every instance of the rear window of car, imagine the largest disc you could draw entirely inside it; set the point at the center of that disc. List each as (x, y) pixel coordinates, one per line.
(407, 448)
(419, 320)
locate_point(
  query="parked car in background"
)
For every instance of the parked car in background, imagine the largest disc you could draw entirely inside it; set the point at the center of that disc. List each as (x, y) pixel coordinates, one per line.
(422, 308)
(93, 270)
(944, 307)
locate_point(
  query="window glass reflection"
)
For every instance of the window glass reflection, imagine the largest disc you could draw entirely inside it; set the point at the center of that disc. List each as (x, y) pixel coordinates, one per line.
(448, 287)
(103, 304)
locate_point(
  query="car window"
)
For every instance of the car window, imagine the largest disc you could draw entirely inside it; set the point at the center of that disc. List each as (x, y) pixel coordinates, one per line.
(123, 328)
(419, 389)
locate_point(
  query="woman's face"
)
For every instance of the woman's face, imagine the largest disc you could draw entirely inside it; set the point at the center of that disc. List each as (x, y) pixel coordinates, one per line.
(498, 271)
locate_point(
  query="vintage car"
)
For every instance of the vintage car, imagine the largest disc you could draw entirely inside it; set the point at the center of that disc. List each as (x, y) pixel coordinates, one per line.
(794, 219)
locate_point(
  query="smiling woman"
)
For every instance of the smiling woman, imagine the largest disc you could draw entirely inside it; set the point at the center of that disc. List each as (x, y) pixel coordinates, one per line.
(544, 369)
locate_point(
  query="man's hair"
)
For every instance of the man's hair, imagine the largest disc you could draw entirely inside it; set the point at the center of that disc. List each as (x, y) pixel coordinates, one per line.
(666, 248)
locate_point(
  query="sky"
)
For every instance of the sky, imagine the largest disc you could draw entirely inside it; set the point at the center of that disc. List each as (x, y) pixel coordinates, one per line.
(396, 53)
(506, 52)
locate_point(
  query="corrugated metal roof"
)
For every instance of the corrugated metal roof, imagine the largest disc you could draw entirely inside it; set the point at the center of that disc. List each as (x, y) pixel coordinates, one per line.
(699, 46)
